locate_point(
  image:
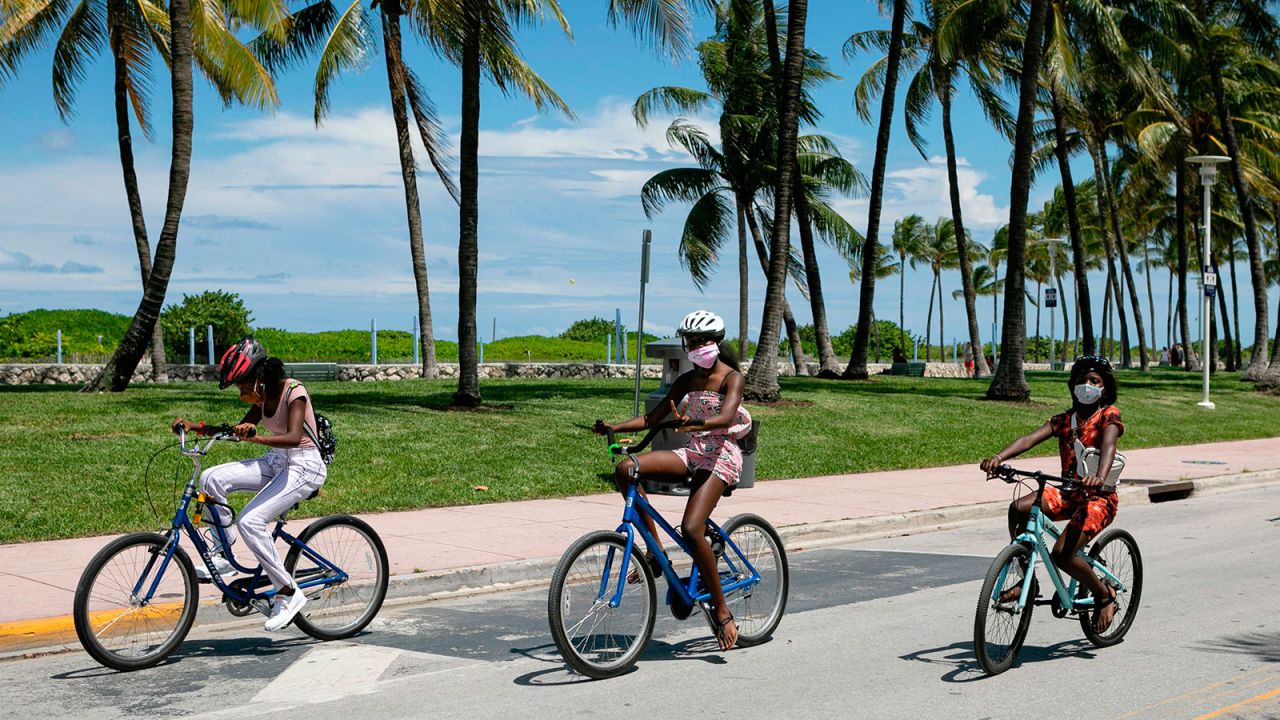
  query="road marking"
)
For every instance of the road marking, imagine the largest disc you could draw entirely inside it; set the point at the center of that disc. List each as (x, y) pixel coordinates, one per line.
(27, 633)
(328, 672)
(1242, 703)
(1219, 685)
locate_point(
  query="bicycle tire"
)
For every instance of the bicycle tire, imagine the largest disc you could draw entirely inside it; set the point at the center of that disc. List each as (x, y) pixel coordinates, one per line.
(1119, 552)
(113, 628)
(340, 610)
(577, 582)
(990, 620)
(758, 609)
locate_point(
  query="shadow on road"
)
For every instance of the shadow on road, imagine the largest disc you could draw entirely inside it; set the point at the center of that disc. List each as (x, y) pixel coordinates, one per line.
(963, 664)
(697, 649)
(1262, 645)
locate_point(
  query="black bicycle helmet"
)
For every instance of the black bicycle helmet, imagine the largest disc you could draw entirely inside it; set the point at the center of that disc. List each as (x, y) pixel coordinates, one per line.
(1100, 365)
(240, 361)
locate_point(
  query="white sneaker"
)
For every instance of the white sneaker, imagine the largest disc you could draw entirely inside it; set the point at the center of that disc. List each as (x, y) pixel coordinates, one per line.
(224, 567)
(284, 608)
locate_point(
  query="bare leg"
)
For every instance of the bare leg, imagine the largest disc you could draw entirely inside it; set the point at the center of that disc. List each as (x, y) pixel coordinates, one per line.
(694, 526)
(1019, 511)
(658, 462)
(1065, 557)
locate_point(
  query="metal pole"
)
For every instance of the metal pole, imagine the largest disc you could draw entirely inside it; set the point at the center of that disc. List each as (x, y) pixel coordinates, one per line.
(416, 341)
(644, 279)
(608, 349)
(59, 347)
(209, 328)
(1206, 179)
(373, 340)
(1053, 277)
(191, 346)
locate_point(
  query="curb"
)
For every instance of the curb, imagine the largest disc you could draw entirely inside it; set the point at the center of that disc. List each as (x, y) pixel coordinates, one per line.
(29, 638)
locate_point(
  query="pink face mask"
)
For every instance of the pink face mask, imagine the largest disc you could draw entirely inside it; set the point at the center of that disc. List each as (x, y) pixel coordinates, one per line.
(705, 356)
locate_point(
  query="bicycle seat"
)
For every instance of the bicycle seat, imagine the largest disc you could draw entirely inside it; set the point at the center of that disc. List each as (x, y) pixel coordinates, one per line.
(669, 485)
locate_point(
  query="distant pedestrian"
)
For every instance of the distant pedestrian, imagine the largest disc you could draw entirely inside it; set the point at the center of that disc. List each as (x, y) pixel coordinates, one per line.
(968, 359)
(1164, 357)
(898, 355)
(1175, 355)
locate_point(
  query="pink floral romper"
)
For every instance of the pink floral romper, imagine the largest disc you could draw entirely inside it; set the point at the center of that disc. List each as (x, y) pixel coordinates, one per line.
(714, 450)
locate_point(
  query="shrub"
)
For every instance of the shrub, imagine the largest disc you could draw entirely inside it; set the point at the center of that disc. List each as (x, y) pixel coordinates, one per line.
(225, 311)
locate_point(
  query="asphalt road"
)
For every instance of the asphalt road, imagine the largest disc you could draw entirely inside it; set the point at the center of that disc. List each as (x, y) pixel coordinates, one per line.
(878, 629)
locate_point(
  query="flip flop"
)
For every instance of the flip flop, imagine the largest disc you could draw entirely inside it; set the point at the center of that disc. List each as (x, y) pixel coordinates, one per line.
(720, 627)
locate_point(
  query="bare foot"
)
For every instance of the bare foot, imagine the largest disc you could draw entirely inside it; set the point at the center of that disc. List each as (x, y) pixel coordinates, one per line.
(1105, 613)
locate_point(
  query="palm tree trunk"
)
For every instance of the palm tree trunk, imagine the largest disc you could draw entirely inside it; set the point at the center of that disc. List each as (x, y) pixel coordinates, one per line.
(1009, 381)
(1180, 210)
(468, 393)
(119, 369)
(928, 320)
(743, 306)
(1144, 359)
(1151, 299)
(1066, 319)
(1168, 328)
(762, 379)
(1258, 362)
(1226, 328)
(902, 302)
(1106, 316)
(1080, 265)
(1110, 241)
(1235, 307)
(857, 369)
(125, 141)
(827, 363)
(1039, 302)
(957, 218)
(788, 318)
(391, 12)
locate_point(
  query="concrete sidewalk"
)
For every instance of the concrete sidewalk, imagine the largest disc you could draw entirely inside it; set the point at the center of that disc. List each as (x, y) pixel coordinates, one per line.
(478, 546)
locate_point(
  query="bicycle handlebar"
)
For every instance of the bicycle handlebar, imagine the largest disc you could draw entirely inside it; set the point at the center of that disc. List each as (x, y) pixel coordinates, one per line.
(1010, 474)
(617, 449)
(225, 432)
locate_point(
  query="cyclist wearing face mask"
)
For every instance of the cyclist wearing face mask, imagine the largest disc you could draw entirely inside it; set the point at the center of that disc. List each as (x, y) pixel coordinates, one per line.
(707, 401)
(291, 471)
(1093, 421)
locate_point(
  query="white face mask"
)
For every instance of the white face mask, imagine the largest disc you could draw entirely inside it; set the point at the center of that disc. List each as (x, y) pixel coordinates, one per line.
(1087, 394)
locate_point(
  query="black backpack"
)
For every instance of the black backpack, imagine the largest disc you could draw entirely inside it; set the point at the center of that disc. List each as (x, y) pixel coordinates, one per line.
(322, 434)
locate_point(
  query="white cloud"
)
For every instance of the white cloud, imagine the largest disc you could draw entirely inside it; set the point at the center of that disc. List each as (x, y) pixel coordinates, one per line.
(924, 190)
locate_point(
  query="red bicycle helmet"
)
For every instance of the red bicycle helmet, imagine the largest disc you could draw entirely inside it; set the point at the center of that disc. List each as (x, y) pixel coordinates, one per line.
(240, 361)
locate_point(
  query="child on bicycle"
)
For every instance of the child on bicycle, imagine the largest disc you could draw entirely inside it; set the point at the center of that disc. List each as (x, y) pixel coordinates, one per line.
(711, 395)
(1091, 508)
(291, 471)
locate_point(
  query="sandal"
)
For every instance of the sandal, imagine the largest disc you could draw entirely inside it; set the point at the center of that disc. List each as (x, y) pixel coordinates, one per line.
(655, 569)
(721, 627)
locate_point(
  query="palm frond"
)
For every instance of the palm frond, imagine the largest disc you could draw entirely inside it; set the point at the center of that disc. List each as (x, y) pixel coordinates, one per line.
(671, 99)
(84, 36)
(434, 138)
(347, 48)
(677, 185)
(708, 226)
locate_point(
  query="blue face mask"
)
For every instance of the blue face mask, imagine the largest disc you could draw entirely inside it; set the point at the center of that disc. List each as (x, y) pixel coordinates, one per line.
(1087, 394)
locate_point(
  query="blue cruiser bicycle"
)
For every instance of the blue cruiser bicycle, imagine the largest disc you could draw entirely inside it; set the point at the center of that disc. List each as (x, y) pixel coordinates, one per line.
(1001, 625)
(603, 599)
(137, 598)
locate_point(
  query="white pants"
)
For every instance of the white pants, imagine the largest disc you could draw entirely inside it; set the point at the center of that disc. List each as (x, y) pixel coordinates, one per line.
(282, 477)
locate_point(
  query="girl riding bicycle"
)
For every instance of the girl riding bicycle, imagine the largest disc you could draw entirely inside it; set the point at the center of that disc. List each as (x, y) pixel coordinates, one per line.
(291, 471)
(711, 397)
(1094, 421)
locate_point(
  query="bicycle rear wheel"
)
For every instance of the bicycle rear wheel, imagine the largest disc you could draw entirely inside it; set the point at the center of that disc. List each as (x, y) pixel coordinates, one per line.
(757, 609)
(341, 608)
(125, 630)
(999, 629)
(597, 640)
(1118, 551)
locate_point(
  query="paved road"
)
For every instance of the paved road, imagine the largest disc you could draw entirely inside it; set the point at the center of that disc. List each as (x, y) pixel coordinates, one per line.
(878, 629)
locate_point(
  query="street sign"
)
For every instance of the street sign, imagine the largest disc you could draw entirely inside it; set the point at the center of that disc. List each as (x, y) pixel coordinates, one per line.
(1051, 297)
(1210, 284)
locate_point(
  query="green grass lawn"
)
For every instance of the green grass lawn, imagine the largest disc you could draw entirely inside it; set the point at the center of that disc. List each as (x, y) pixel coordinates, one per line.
(73, 465)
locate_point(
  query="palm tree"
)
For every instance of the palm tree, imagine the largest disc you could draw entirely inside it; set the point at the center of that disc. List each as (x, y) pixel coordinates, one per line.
(939, 62)
(125, 359)
(884, 76)
(345, 39)
(939, 253)
(1009, 382)
(909, 237)
(762, 379)
(130, 32)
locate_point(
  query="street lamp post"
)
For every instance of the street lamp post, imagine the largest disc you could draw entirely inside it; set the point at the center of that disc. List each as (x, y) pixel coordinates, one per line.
(1208, 173)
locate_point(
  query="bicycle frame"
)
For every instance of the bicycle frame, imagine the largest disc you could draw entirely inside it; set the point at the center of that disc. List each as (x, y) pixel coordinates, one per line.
(1032, 535)
(633, 523)
(183, 523)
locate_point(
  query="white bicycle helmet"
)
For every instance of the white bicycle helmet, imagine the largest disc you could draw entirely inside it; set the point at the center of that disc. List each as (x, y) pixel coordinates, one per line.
(702, 322)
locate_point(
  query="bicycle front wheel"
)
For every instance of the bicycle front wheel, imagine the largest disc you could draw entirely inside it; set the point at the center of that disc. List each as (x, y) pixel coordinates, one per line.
(126, 628)
(757, 609)
(335, 608)
(595, 638)
(1118, 552)
(1000, 628)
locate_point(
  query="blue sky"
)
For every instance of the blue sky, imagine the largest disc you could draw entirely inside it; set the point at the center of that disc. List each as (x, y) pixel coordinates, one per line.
(308, 224)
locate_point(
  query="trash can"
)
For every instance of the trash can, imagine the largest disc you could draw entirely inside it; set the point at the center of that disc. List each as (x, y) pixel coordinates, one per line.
(675, 362)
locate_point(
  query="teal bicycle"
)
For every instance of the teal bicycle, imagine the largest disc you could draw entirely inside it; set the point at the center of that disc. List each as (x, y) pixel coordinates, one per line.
(1000, 627)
